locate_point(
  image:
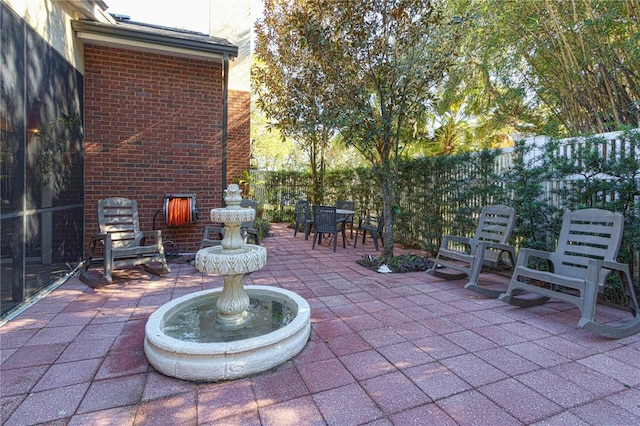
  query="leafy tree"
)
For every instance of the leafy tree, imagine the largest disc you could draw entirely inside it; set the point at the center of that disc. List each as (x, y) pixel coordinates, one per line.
(558, 67)
(454, 131)
(291, 86)
(381, 61)
(271, 150)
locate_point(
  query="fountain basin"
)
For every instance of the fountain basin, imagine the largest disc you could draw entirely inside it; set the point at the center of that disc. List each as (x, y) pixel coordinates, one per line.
(233, 214)
(216, 361)
(219, 260)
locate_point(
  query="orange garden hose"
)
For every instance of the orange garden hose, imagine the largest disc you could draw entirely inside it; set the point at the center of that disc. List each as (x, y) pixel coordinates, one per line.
(179, 211)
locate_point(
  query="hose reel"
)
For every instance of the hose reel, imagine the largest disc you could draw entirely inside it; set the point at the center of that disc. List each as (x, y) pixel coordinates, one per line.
(180, 209)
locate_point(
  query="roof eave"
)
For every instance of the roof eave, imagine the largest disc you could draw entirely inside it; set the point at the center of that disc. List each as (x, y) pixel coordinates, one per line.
(180, 43)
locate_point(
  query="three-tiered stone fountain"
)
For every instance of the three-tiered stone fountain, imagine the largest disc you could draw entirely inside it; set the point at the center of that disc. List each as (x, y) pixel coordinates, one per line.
(233, 332)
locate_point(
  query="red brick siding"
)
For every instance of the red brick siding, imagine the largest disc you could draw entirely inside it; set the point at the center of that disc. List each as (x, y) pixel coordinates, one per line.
(238, 156)
(153, 126)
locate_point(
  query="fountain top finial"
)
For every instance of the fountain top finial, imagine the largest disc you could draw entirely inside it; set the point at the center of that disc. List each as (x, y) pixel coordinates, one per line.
(233, 215)
(233, 197)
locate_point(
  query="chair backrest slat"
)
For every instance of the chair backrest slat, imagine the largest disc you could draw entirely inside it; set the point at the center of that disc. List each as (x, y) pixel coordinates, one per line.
(375, 222)
(587, 234)
(324, 218)
(495, 225)
(118, 217)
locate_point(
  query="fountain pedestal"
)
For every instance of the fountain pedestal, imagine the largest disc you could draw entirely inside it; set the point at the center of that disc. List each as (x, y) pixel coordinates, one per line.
(233, 351)
(233, 303)
(232, 259)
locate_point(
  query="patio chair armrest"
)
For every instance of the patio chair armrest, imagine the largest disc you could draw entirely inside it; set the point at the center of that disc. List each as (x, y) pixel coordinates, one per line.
(614, 266)
(482, 245)
(156, 235)
(93, 242)
(97, 237)
(214, 230)
(595, 270)
(368, 221)
(218, 229)
(498, 246)
(526, 253)
(446, 239)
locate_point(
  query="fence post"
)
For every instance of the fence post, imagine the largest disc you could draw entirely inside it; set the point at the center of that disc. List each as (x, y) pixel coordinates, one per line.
(535, 144)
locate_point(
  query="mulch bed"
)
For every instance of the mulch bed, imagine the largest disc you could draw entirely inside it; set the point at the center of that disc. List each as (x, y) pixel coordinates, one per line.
(407, 262)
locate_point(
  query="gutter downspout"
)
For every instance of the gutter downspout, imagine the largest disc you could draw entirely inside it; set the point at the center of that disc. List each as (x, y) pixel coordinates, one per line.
(225, 119)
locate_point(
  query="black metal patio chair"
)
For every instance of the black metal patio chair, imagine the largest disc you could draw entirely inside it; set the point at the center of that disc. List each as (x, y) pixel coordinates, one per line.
(325, 221)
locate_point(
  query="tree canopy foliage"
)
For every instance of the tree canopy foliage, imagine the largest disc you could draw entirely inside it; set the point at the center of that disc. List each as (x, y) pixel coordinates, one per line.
(270, 150)
(555, 67)
(291, 86)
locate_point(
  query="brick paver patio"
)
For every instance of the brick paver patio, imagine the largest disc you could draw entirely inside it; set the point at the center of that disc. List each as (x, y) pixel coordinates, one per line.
(385, 349)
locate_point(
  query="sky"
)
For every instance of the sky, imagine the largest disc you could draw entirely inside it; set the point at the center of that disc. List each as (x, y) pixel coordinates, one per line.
(183, 14)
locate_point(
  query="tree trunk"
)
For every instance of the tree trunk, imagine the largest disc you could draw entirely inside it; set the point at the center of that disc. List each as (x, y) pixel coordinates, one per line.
(386, 187)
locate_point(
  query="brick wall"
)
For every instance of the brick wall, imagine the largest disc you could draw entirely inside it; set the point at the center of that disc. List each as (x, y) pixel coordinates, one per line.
(238, 151)
(153, 125)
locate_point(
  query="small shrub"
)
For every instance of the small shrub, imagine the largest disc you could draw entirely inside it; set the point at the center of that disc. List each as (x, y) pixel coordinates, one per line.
(407, 262)
(262, 226)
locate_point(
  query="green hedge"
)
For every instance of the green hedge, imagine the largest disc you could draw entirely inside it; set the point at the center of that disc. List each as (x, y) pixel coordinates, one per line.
(444, 194)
